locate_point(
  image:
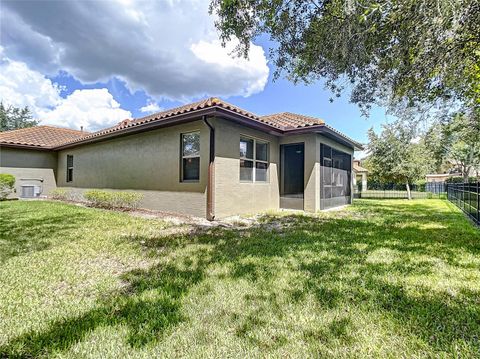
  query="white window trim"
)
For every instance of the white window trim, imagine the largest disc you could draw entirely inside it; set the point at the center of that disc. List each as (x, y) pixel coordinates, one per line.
(182, 180)
(254, 159)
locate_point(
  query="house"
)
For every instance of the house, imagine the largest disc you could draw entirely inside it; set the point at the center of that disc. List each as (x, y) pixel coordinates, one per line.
(207, 158)
(359, 173)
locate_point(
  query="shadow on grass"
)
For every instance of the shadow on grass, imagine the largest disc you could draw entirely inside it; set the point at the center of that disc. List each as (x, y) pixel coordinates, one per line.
(24, 230)
(151, 303)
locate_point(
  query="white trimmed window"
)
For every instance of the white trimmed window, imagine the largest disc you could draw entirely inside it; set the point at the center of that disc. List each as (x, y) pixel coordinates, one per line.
(253, 160)
(190, 153)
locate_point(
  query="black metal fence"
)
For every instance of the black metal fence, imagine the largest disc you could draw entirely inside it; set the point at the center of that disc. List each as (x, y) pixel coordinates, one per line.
(391, 190)
(466, 196)
(436, 187)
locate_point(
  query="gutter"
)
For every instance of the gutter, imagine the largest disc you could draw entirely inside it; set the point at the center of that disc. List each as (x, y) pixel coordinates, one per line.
(211, 173)
(28, 147)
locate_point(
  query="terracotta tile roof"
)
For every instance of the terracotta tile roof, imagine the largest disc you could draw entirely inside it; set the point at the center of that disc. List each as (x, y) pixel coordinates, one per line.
(358, 168)
(40, 136)
(287, 120)
(281, 122)
(159, 116)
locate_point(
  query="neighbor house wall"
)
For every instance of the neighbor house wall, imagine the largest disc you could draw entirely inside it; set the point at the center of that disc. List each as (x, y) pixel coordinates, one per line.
(232, 196)
(30, 167)
(148, 163)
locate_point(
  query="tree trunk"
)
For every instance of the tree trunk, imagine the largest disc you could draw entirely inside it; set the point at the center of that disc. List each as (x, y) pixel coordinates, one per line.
(409, 194)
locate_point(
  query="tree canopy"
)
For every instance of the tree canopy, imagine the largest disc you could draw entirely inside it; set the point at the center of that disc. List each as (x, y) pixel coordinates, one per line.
(400, 53)
(14, 118)
(461, 136)
(398, 155)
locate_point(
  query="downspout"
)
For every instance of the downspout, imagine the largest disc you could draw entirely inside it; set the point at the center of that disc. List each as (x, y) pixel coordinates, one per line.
(211, 173)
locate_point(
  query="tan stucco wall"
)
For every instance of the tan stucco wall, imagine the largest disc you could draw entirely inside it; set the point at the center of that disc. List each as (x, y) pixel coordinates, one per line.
(25, 158)
(30, 167)
(148, 162)
(232, 196)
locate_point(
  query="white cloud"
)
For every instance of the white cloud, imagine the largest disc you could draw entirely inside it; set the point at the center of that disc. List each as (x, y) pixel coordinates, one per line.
(167, 48)
(20, 86)
(151, 107)
(93, 108)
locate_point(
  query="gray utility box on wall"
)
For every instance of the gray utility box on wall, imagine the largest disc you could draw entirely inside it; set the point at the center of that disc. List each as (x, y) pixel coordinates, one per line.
(30, 191)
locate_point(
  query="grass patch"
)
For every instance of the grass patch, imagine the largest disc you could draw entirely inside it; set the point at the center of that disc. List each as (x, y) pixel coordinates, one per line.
(382, 278)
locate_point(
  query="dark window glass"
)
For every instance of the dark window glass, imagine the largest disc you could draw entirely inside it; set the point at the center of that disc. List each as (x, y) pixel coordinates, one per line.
(246, 170)
(190, 156)
(261, 151)
(246, 148)
(261, 171)
(69, 168)
(191, 169)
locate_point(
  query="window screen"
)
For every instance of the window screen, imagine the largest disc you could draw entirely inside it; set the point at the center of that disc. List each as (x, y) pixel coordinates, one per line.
(336, 176)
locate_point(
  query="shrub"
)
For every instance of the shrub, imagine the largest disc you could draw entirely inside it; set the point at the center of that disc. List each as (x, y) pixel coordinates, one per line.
(461, 180)
(60, 194)
(110, 200)
(7, 183)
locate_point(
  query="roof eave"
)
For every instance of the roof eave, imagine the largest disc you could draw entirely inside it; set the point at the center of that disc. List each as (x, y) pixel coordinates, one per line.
(329, 132)
(26, 146)
(177, 120)
(154, 124)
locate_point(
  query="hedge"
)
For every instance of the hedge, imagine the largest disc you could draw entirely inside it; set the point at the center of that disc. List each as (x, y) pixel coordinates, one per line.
(112, 200)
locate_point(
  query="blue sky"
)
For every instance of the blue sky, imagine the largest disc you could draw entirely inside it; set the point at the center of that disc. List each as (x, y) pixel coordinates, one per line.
(278, 96)
(143, 57)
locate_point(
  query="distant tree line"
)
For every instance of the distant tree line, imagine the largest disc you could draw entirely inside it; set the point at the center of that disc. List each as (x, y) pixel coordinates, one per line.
(14, 118)
(403, 154)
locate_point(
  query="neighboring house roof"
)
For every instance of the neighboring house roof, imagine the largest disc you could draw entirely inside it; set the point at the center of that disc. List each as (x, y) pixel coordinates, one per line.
(40, 136)
(441, 177)
(278, 124)
(359, 169)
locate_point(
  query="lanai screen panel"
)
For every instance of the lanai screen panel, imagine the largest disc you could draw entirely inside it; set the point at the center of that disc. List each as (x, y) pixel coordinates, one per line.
(335, 177)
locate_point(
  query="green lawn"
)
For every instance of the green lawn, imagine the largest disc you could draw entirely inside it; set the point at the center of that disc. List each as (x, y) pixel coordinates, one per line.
(386, 278)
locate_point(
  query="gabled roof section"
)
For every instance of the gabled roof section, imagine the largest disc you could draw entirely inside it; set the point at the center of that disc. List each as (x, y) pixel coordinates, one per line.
(40, 136)
(289, 121)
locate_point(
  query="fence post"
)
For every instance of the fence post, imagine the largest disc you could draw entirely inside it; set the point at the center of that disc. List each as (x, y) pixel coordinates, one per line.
(478, 201)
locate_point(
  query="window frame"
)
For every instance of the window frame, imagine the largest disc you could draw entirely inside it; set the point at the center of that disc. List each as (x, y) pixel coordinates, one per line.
(182, 157)
(254, 159)
(69, 177)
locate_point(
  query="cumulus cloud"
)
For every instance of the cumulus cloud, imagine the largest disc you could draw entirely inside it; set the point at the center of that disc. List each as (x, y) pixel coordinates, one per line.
(167, 48)
(151, 107)
(91, 108)
(20, 86)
